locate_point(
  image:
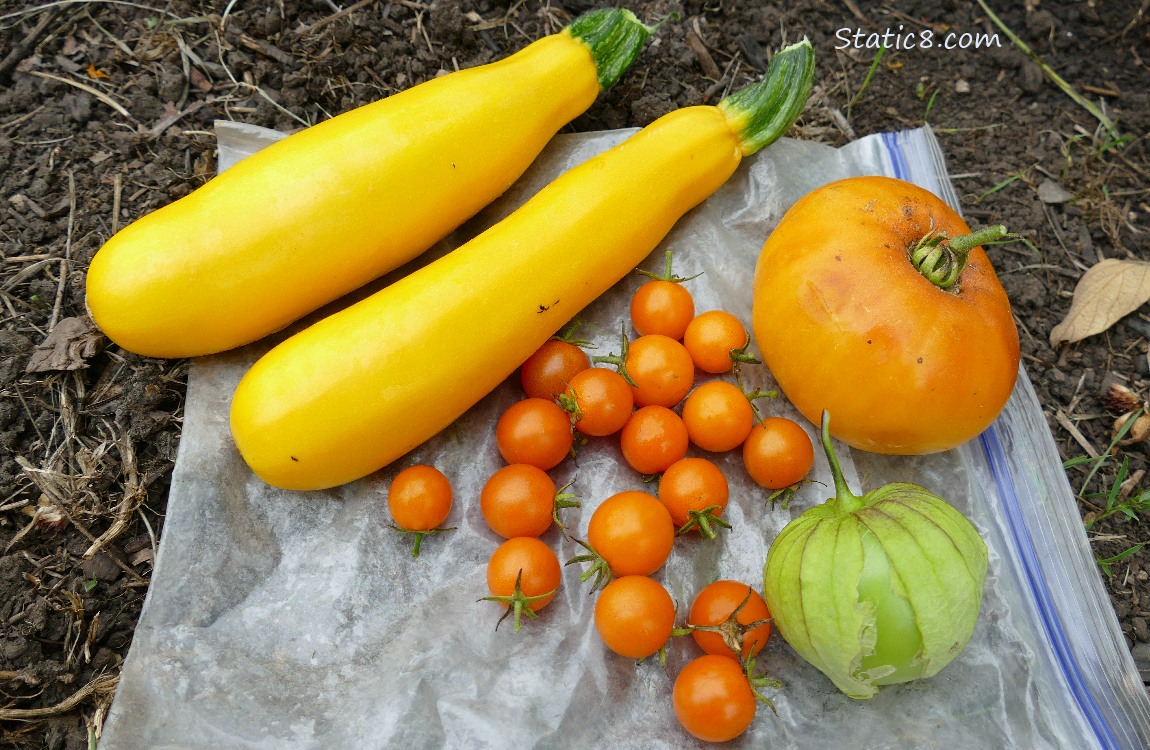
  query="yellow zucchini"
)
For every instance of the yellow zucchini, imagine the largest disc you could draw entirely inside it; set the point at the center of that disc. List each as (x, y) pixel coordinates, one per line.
(334, 206)
(357, 390)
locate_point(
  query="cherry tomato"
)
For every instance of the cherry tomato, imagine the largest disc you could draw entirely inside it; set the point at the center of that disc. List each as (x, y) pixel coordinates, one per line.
(718, 416)
(663, 307)
(715, 339)
(534, 566)
(546, 373)
(633, 533)
(601, 401)
(653, 439)
(849, 325)
(714, 605)
(634, 616)
(518, 500)
(661, 369)
(778, 453)
(534, 431)
(694, 484)
(713, 699)
(419, 499)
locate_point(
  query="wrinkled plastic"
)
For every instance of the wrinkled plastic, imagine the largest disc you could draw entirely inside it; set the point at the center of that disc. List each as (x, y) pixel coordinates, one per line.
(280, 619)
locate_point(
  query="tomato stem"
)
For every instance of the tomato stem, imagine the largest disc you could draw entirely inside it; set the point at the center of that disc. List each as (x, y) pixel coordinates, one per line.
(567, 336)
(704, 520)
(733, 632)
(618, 360)
(518, 603)
(742, 355)
(599, 569)
(753, 395)
(568, 403)
(760, 681)
(418, 534)
(564, 499)
(668, 273)
(845, 500)
(942, 259)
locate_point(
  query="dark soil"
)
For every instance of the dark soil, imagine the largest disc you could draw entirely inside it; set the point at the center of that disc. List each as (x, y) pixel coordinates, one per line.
(106, 113)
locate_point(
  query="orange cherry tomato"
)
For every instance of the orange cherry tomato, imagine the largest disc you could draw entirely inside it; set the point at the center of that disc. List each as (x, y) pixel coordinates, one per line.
(712, 338)
(547, 372)
(718, 416)
(536, 568)
(778, 453)
(662, 307)
(694, 484)
(518, 500)
(634, 616)
(716, 603)
(653, 439)
(534, 431)
(633, 532)
(419, 498)
(600, 400)
(661, 369)
(849, 325)
(713, 699)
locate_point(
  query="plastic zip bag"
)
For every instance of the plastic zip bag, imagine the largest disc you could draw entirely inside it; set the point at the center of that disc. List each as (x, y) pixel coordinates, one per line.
(279, 619)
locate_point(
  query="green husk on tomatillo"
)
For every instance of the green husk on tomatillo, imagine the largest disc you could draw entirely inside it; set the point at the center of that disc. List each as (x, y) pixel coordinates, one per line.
(877, 589)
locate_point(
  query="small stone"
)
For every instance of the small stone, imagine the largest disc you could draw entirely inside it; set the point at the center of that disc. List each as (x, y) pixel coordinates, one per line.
(962, 86)
(1141, 654)
(101, 567)
(1032, 77)
(1050, 191)
(1141, 630)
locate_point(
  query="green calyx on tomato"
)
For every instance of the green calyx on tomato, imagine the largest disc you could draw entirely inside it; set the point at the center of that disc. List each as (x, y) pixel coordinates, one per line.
(518, 603)
(733, 632)
(941, 259)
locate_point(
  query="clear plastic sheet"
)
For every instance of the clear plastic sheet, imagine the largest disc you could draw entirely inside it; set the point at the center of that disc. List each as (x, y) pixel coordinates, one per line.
(300, 620)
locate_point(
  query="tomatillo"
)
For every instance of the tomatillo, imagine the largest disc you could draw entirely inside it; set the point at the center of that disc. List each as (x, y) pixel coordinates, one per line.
(877, 589)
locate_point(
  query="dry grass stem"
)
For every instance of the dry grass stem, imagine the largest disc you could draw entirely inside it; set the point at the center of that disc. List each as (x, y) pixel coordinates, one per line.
(104, 685)
(86, 88)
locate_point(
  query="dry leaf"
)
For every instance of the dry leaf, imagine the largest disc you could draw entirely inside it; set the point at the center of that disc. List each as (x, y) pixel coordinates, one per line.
(67, 347)
(1105, 293)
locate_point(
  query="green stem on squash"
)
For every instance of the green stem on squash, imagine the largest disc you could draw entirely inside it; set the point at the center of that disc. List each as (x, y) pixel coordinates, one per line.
(844, 499)
(941, 259)
(614, 37)
(761, 113)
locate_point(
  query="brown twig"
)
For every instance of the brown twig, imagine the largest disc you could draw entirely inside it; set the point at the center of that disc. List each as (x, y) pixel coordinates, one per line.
(695, 42)
(66, 262)
(25, 46)
(329, 20)
(856, 12)
(84, 87)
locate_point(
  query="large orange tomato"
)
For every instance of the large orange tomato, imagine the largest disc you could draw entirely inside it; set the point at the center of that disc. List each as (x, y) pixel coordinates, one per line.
(848, 324)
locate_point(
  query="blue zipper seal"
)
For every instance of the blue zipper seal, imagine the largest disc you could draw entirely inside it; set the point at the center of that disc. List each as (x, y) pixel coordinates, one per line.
(1040, 592)
(1032, 569)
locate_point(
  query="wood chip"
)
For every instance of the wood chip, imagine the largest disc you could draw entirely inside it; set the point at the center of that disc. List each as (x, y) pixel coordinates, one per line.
(706, 62)
(68, 346)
